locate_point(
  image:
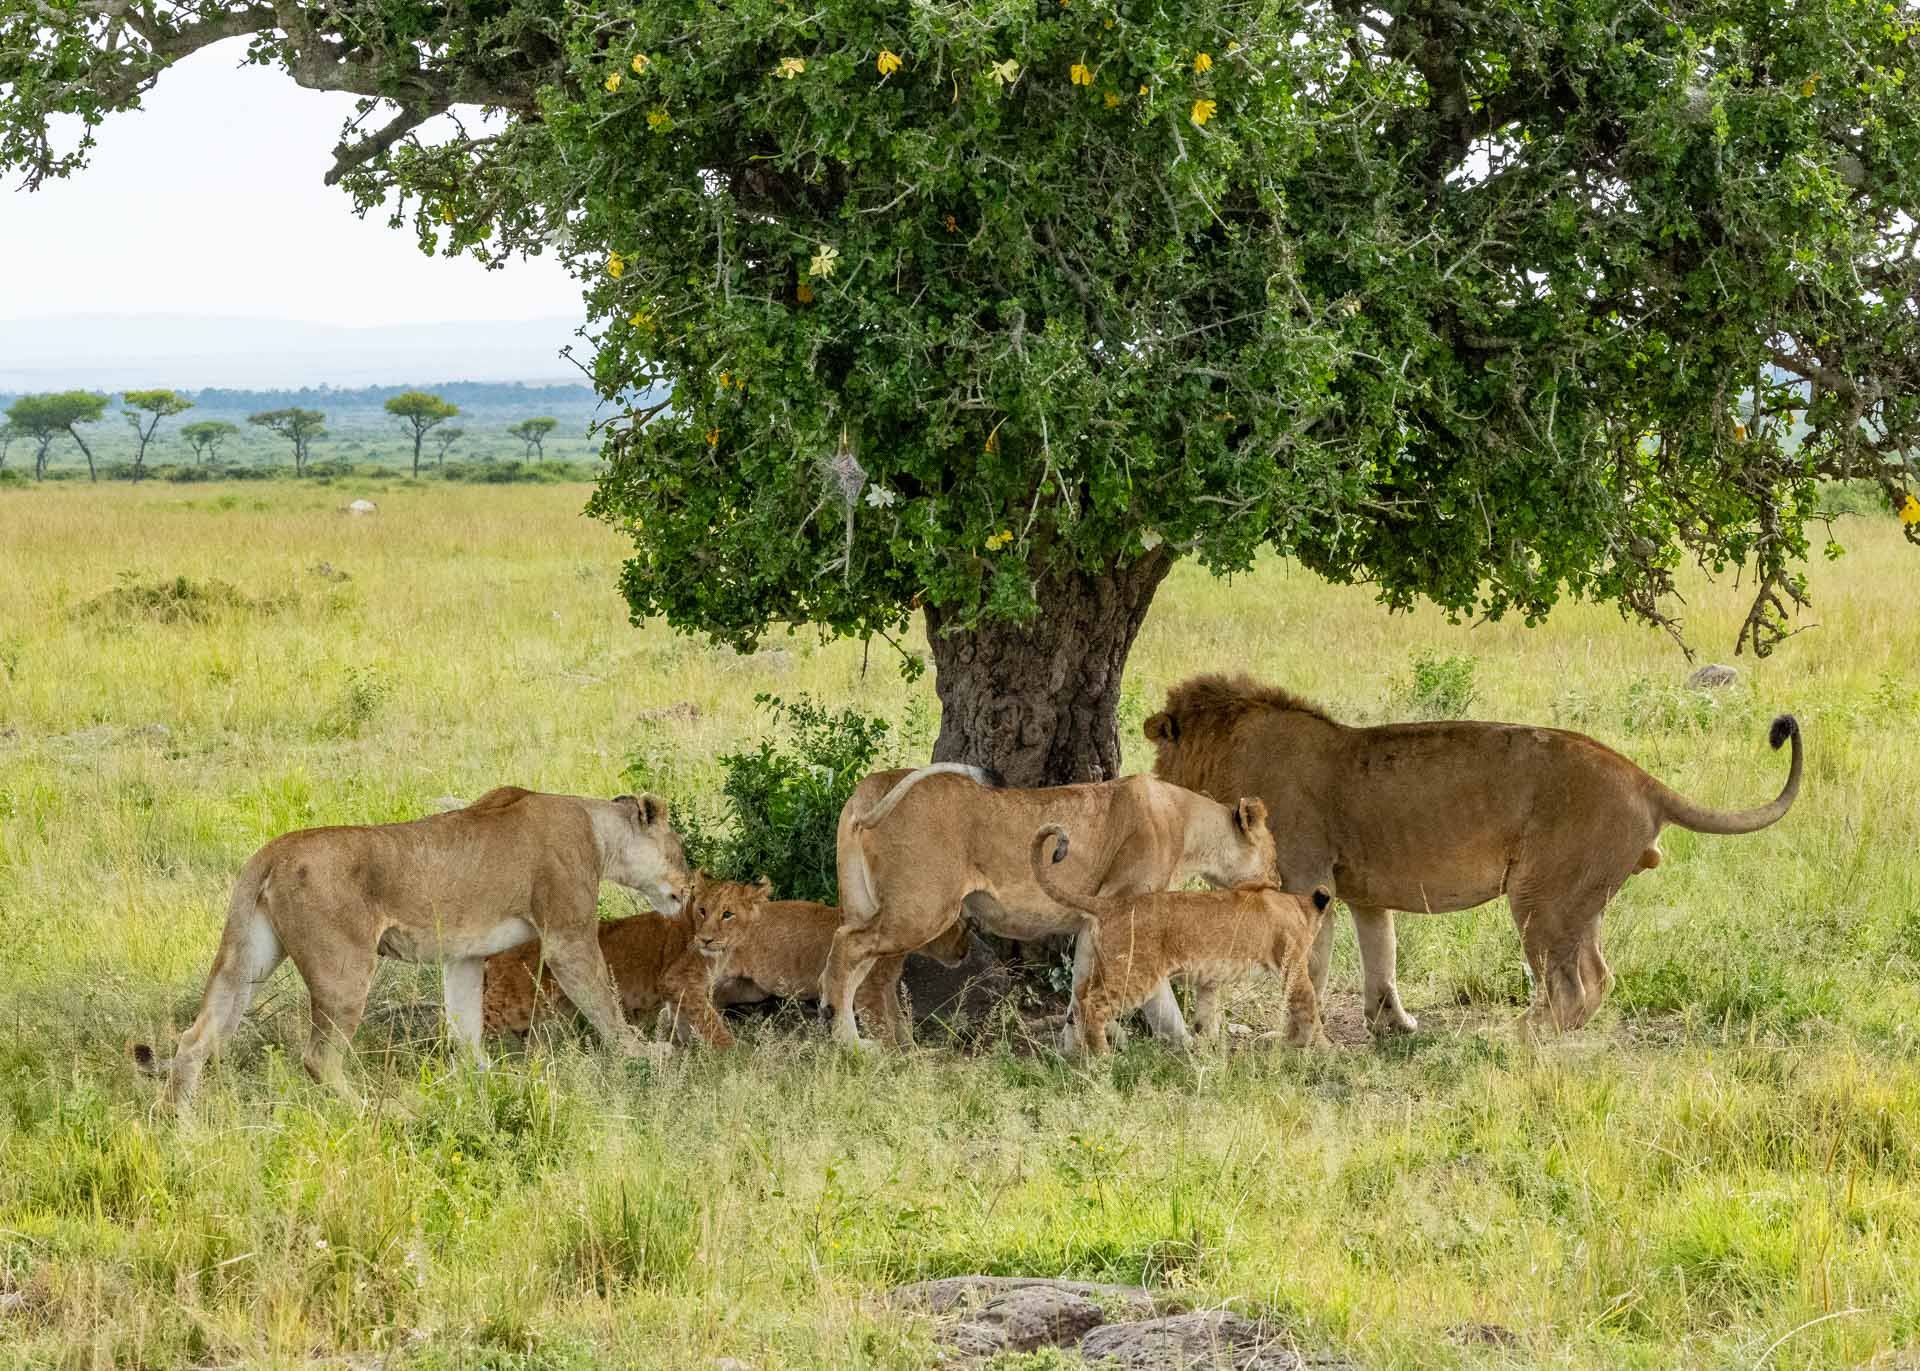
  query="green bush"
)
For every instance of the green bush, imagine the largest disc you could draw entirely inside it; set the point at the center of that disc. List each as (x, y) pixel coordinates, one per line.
(782, 799)
(517, 473)
(1437, 687)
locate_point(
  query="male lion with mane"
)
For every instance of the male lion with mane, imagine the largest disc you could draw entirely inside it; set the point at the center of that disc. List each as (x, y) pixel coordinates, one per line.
(452, 888)
(1443, 816)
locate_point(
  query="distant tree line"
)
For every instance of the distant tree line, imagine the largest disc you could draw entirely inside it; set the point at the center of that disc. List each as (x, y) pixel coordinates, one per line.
(42, 420)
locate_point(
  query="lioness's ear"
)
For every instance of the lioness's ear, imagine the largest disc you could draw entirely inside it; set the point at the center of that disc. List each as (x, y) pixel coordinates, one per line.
(653, 810)
(1250, 815)
(764, 887)
(1322, 897)
(1161, 728)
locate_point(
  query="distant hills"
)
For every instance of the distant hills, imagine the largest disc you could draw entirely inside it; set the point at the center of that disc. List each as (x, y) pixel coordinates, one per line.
(194, 353)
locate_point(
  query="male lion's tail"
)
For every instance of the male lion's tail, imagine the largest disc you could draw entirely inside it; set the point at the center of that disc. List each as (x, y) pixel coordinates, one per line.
(1055, 837)
(1678, 809)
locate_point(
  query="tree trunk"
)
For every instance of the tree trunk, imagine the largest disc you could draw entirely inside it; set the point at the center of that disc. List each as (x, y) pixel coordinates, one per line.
(92, 475)
(416, 455)
(1037, 702)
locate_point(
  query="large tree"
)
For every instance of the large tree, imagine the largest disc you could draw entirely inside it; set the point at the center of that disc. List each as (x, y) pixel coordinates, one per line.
(419, 413)
(997, 309)
(302, 428)
(533, 435)
(143, 410)
(44, 418)
(206, 436)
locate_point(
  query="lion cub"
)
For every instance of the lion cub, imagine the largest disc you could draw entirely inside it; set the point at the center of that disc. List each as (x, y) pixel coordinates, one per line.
(780, 948)
(653, 958)
(1209, 937)
(733, 946)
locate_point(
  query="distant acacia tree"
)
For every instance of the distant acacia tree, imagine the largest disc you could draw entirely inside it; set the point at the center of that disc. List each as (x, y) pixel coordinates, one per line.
(7, 434)
(44, 418)
(420, 411)
(144, 409)
(206, 437)
(444, 438)
(300, 427)
(533, 432)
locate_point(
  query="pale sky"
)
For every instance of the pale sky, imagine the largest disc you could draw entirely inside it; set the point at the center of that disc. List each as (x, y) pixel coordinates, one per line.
(209, 201)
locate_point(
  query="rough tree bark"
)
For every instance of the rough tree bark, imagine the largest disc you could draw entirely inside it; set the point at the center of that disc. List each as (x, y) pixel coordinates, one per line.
(1037, 703)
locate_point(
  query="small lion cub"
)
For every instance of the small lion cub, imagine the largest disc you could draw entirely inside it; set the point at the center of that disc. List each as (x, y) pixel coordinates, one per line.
(657, 962)
(779, 948)
(1209, 937)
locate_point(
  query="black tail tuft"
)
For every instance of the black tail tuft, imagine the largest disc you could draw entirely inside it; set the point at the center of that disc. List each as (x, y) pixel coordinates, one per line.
(995, 780)
(1060, 850)
(1785, 726)
(143, 1057)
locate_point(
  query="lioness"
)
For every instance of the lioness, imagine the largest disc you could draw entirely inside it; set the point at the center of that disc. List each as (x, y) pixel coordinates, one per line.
(452, 888)
(733, 946)
(943, 840)
(1208, 937)
(1443, 816)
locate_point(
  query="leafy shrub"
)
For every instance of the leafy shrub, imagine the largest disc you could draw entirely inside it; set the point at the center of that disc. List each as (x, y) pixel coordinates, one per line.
(194, 475)
(782, 799)
(180, 600)
(1437, 687)
(517, 473)
(1656, 707)
(356, 705)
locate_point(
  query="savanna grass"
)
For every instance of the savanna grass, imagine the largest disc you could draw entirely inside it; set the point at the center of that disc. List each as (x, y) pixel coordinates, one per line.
(1722, 1171)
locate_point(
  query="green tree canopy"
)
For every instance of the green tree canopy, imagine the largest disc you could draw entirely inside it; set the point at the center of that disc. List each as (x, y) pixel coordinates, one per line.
(998, 308)
(444, 438)
(302, 428)
(206, 436)
(533, 433)
(418, 413)
(44, 418)
(144, 409)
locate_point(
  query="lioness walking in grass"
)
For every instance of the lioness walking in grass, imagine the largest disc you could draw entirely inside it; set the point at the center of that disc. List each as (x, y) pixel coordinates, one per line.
(452, 888)
(1433, 817)
(1207, 937)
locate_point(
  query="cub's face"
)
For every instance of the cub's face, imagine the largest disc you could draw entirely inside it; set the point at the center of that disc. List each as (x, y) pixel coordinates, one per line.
(723, 912)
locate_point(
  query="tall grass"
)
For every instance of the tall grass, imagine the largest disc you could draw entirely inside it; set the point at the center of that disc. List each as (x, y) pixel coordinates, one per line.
(1719, 1171)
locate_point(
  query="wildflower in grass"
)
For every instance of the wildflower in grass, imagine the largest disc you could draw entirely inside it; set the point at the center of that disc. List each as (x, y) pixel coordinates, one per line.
(999, 540)
(824, 261)
(1113, 98)
(1910, 512)
(790, 67)
(713, 437)
(659, 120)
(1203, 63)
(616, 265)
(1006, 73)
(640, 63)
(888, 62)
(880, 497)
(1080, 74)
(1202, 111)
(613, 83)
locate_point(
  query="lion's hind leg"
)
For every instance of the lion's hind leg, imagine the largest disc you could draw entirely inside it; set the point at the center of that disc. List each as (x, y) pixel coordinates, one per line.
(249, 951)
(1562, 940)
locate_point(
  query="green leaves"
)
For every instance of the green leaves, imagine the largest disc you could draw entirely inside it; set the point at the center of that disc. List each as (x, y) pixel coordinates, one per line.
(1485, 306)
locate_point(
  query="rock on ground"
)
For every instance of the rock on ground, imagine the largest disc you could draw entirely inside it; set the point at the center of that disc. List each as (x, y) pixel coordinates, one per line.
(1123, 1327)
